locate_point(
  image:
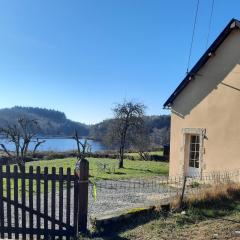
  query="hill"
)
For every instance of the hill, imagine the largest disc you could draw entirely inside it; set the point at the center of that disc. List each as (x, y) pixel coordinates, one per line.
(158, 128)
(55, 123)
(51, 122)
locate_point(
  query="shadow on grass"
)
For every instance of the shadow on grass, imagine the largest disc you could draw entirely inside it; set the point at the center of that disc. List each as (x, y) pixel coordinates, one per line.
(194, 214)
(209, 209)
(114, 230)
(216, 207)
(148, 171)
(118, 173)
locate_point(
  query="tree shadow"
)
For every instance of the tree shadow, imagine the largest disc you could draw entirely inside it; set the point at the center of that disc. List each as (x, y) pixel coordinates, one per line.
(145, 171)
(119, 173)
(114, 230)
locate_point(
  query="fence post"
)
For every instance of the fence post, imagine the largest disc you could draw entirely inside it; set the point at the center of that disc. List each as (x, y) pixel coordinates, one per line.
(183, 190)
(83, 195)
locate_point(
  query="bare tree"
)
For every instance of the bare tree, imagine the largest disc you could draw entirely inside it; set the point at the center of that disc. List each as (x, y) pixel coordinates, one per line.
(142, 143)
(38, 143)
(128, 121)
(82, 147)
(21, 134)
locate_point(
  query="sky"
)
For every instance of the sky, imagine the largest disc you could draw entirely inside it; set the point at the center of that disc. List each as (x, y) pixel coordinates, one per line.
(84, 56)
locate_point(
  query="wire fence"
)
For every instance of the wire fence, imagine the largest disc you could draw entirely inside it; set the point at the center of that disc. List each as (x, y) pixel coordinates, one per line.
(117, 195)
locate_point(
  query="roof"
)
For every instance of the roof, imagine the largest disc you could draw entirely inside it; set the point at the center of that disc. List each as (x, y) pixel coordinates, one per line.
(233, 24)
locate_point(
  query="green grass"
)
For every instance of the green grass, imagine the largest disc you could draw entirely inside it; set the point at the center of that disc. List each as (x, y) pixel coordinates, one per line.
(132, 169)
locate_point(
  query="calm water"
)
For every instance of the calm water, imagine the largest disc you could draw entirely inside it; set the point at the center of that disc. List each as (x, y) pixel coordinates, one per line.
(60, 145)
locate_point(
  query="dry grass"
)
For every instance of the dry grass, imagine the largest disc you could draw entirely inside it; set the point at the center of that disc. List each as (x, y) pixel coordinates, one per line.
(212, 214)
(165, 229)
(220, 194)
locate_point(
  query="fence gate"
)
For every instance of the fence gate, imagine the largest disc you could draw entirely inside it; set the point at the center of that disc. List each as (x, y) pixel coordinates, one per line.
(37, 204)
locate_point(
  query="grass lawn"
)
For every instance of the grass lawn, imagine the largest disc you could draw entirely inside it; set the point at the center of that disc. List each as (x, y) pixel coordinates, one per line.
(132, 169)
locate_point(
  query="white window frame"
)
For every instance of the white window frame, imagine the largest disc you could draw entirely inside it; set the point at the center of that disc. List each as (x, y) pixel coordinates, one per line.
(194, 150)
(184, 151)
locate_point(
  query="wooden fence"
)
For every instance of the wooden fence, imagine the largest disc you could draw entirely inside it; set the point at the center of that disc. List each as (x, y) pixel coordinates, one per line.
(36, 203)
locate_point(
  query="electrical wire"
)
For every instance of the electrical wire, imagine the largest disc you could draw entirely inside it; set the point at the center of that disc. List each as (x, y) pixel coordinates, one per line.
(210, 23)
(193, 33)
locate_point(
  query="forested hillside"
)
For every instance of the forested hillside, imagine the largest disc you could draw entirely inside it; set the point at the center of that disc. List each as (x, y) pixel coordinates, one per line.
(55, 123)
(51, 122)
(158, 128)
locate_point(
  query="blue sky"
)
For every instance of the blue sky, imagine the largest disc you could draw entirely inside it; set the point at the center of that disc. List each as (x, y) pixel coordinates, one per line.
(83, 56)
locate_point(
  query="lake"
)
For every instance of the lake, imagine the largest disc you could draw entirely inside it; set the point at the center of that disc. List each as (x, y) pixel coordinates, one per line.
(58, 145)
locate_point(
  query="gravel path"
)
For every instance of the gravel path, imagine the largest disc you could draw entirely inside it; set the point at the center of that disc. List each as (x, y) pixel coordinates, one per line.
(119, 195)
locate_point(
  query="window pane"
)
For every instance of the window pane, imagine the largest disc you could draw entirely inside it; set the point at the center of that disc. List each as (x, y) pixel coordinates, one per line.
(192, 155)
(196, 164)
(197, 147)
(191, 163)
(193, 139)
(194, 149)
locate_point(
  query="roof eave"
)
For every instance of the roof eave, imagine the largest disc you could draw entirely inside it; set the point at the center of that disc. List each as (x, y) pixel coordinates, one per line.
(222, 36)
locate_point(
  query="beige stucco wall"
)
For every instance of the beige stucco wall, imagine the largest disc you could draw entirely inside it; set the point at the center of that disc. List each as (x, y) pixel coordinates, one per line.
(211, 101)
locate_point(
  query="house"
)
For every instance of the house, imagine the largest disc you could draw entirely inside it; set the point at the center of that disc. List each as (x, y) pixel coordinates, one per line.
(205, 110)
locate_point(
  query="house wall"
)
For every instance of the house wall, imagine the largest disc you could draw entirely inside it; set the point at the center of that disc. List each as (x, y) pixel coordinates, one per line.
(211, 101)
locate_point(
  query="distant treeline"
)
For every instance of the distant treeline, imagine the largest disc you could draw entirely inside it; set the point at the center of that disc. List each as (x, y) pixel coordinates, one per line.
(55, 123)
(158, 128)
(51, 122)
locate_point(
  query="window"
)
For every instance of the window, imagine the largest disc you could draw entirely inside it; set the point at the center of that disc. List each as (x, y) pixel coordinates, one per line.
(194, 151)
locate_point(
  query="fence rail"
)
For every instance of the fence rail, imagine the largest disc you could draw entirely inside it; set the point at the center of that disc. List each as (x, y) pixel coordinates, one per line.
(162, 183)
(36, 203)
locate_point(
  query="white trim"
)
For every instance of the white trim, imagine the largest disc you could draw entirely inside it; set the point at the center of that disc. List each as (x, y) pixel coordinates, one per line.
(185, 132)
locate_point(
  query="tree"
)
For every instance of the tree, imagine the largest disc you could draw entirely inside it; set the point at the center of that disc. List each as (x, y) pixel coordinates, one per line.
(21, 134)
(82, 149)
(38, 143)
(161, 136)
(142, 143)
(128, 121)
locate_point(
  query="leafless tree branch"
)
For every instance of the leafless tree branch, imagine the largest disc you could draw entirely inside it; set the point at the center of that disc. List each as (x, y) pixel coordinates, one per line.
(21, 135)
